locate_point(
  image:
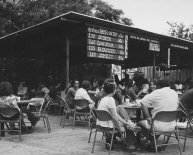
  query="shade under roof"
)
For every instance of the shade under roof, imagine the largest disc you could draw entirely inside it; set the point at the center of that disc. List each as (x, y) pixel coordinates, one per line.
(47, 41)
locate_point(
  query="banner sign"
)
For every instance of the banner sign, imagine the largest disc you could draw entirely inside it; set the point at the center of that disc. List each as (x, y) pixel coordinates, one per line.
(180, 46)
(106, 44)
(143, 39)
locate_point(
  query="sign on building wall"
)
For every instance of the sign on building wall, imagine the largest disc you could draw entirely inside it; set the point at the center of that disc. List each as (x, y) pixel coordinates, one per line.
(154, 45)
(106, 44)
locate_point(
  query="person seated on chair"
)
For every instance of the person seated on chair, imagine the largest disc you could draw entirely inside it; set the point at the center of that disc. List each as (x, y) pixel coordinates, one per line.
(6, 97)
(82, 93)
(43, 87)
(71, 93)
(119, 114)
(39, 100)
(187, 101)
(129, 90)
(22, 90)
(162, 99)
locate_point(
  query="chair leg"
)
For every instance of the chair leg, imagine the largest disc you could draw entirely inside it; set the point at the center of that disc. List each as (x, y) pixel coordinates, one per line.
(61, 120)
(0, 130)
(90, 135)
(44, 122)
(64, 118)
(111, 141)
(19, 130)
(89, 122)
(184, 147)
(94, 141)
(74, 120)
(155, 142)
(178, 139)
(48, 124)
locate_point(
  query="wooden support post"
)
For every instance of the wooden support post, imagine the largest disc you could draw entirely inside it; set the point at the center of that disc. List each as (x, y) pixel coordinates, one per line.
(67, 61)
(154, 61)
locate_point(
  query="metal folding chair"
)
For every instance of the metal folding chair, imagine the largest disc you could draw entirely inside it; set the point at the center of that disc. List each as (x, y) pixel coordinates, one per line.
(17, 119)
(81, 103)
(103, 115)
(92, 125)
(185, 124)
(55, 103)
(165, 116)
(66, 111)
(43, 112)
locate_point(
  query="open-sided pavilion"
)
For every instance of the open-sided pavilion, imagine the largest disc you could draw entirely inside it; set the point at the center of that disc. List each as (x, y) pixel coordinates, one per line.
(75, 38)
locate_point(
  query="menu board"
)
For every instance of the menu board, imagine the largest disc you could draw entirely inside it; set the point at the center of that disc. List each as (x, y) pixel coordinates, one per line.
(106, 44)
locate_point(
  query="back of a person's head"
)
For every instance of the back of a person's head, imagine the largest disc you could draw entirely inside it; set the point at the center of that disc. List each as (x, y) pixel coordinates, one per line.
(40, 94)
(129, 83)
(177, 82)
(5, 88)
(163, 83)
(85, 84)
(190, 84)
(109, 86)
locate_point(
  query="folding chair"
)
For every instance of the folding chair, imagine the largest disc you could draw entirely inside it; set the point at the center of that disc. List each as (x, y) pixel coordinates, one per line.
(81, 103)
(165, 116)
(185, 125)
(16, 119)
(60, 104)
(66, 111)
(43, 112)
(93, 124)
(103, 115)
(54, 103)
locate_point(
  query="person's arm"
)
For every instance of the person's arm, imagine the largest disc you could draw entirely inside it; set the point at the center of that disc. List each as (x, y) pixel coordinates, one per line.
(146, 113)
(91, 102)
(116, 119)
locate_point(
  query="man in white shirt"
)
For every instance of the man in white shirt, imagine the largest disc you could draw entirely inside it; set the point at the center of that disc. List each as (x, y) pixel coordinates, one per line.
(81, 93)
(162, 99)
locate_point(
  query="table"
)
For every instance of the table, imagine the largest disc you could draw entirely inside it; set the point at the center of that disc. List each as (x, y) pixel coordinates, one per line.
(24, 103)
(138, 116)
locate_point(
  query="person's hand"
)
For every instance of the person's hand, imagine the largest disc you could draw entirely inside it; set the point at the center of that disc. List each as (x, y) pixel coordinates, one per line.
(149, 120)
(122, 129)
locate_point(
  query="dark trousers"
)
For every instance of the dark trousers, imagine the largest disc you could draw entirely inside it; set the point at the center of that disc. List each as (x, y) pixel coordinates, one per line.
(86, 109)
(31, 117)
(2, 128)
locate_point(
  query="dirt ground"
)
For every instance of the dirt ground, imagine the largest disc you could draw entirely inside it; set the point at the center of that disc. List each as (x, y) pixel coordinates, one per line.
(65, 141)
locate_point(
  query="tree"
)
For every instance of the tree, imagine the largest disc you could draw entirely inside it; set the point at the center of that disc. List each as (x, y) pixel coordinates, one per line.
(8, 18)
(103, 10)
(18, 14)
(180, 30)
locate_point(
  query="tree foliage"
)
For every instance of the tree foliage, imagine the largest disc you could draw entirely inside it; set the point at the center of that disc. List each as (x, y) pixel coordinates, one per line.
(24, 13)
(103, 10)
(180, 30)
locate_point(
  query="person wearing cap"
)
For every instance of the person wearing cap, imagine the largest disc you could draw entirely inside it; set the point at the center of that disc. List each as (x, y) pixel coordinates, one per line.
(162, 99)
